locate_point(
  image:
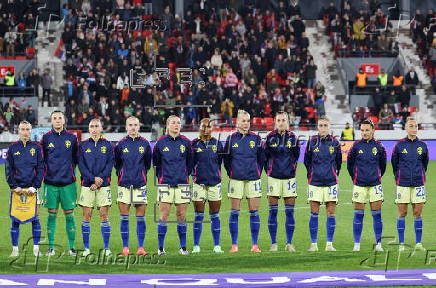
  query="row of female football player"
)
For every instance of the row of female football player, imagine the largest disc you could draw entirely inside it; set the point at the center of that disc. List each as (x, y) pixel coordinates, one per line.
(244, 156)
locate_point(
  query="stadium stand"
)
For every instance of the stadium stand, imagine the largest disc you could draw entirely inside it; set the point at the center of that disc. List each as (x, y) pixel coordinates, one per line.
(364, 31)
(258, 61)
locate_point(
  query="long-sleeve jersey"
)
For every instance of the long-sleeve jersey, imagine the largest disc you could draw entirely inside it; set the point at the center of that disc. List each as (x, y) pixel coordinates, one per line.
(60, 157)
(409, 162)
(132, 161)
(244, 156)
(24, 165)
(207, 159)
(323, 160)
(366, 162)
(281, 155)
(96, 159)
(172, 158)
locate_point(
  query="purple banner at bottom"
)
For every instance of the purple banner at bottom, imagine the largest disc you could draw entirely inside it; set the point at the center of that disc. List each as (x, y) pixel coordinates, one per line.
(278, 279)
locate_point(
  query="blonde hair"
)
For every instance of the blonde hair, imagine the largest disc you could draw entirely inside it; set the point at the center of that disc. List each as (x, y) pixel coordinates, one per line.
(410, 118)
(243, 112)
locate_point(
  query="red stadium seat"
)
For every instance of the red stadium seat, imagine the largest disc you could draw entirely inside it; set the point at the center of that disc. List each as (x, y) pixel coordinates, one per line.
(413, 109)
(374, 119)
(257, 121)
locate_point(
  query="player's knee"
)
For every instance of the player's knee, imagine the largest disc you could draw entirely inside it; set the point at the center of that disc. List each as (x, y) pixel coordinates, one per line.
(53, 211)
(68, 211)
(416, 214)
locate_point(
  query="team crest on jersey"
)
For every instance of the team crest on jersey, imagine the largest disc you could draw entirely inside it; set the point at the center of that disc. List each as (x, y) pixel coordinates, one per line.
(331, 149)
(288, 144)
(141, 149)
(252, 144)
(32, 151)
(404, 151)
(273, 145)
(165, 149)
(214, 148)
(419, 150)
(88, 150)
(17, 153)
(374, 151)
(199, 149)
(235, 145)
(316, 149)
(182, 148)
(103, 149)
(50, 145)
(125, 150)
(360, 151)
(68, 143)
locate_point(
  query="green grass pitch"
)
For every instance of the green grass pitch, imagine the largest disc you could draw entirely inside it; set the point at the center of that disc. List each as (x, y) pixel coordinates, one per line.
(244, 261)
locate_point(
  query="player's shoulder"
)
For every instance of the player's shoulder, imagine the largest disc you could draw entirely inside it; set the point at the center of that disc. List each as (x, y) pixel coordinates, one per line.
(35, 144)
(143, 139)
(47, 134)
(185, 139)
(14, 144)
(162, 138)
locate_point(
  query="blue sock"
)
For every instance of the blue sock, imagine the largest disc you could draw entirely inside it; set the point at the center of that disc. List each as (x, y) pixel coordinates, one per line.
(233, 226)
(86, 231)
(161, 232)
(290, 223)
(272, 222)
(140, 230)
(254, 226)
(198, 227)
(215, 227)
(124, 229)
(358, 224)
(331, 225)
(377, 225)
(36, 230)
(418, 229)
(313, 227)
(181, 230)
(105, 228)
(15, 232)
(401, 226)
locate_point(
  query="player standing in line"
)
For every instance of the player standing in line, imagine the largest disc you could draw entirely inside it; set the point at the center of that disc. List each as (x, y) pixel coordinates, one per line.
(60, 159)
(281, 157)
(172, 157)
(366, 165)
(409, 162)
(206, 175)
(24, 173)
(323, 160)
(132, 162)
(96, 160)
(244, 162)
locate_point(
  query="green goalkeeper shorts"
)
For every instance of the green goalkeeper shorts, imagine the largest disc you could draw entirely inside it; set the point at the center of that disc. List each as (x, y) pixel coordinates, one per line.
(66, 195)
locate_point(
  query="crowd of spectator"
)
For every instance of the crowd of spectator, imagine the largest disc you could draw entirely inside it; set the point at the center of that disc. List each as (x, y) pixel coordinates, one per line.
(360, 31)
(423, 31)
(18, 22)
(14, 111)
(250, 57)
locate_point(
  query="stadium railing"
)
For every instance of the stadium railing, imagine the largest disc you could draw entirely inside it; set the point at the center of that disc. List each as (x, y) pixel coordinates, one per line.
(17, 92)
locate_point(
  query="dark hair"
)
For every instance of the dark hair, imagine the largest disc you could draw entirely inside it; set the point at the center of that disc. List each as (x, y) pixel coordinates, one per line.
(57, 111)
(368, 122)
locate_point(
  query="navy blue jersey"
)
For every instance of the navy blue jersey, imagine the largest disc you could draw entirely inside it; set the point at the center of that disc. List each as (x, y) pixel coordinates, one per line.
(60, 157)
(207, 159)
(244, 156)
(281, 154)
(172, 158)
(323, 160)
(132, 161)
(366, 162)
(409, 162)
(24, 165)
(96, 159)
